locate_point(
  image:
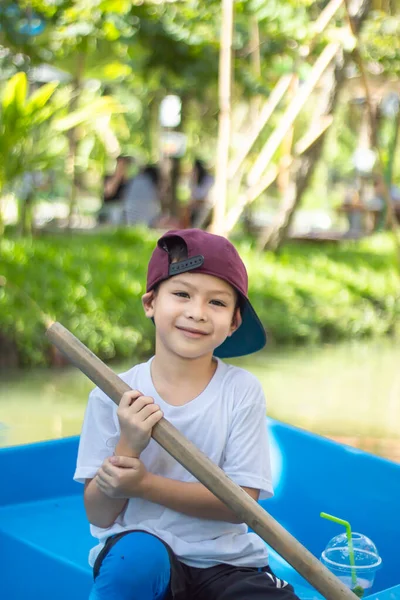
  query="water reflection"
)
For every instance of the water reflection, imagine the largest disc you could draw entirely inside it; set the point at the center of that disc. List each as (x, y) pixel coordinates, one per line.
(349, 392)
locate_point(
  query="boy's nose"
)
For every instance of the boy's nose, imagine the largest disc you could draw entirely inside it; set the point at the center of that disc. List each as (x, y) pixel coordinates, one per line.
(196, 311)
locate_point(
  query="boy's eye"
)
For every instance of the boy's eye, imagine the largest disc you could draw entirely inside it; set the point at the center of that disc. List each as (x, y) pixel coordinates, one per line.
(218, 303)
(181, 294)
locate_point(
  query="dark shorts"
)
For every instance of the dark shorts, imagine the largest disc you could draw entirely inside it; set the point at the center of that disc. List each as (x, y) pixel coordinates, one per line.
(221, 582)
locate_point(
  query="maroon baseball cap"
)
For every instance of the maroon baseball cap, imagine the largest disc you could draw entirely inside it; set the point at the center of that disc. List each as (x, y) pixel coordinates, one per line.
(212, 255)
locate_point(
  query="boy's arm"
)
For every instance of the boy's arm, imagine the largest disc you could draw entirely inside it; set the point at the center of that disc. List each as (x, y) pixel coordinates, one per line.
(137, 415)
(101, 510)
(189, 498)
(126, 477)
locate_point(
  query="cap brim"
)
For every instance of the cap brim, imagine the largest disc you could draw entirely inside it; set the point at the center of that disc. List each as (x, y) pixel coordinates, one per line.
(249, 338)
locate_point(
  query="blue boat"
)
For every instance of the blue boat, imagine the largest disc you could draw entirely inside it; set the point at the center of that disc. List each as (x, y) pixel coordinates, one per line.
(45, 540)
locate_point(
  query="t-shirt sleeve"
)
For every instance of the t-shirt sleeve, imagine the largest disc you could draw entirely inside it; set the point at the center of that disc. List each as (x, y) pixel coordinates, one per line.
(99, 435)
(247, 455)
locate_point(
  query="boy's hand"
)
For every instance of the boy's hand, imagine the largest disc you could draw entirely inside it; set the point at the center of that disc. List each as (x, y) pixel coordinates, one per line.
(121, 477)
(137, 415)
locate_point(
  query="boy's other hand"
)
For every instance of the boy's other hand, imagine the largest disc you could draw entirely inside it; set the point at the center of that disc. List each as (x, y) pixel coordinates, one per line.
(137, 415)
(120, 476)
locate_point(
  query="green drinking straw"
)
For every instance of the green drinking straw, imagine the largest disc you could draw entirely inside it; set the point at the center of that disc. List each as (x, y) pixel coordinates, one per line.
(347, 526)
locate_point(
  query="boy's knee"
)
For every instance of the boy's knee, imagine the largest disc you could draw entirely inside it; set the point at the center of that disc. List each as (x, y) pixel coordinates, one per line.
(139, 556)
(138, 563)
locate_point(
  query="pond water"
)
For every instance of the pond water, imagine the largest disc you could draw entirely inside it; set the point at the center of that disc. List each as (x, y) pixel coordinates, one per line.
(349, 392)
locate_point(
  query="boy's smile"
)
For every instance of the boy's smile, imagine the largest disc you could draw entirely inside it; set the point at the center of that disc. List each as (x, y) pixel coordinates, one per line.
(193, 313)
(191, 333)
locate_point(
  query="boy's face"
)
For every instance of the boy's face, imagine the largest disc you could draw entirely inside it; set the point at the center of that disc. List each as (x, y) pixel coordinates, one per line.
(193, 313)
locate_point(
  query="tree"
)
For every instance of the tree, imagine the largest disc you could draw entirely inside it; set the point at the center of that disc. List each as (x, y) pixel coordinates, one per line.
(274, 237)
(26, 144)
(139, 52)
(32, 128)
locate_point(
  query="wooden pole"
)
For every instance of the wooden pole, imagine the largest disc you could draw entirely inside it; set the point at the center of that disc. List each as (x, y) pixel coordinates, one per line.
(206, 471)
(224, 124)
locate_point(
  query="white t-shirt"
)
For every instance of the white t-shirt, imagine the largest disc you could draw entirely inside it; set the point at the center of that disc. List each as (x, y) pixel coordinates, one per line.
(227, 422)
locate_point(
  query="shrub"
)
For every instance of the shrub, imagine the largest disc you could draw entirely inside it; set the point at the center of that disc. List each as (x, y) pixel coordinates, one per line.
(92, 284)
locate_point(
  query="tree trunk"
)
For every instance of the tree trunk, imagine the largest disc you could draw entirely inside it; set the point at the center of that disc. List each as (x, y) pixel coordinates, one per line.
(274, 237)
(283, 178)
(166, 184)
(2, 227)
(175, 177)
(292, 111)
(266, 112)
(390, 212)
(25, 220)
(152, 129)
(282, 85)
(73, 137)
(392, 148)
(177, 164)
(255, 57)
(225, 82)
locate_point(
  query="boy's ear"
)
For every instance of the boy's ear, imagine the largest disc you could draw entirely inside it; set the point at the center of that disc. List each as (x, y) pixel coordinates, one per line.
(236, 321)
(148, 304)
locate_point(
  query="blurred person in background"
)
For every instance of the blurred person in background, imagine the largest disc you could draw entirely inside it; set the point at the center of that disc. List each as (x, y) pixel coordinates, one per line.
(377, 202)
(115, 186)
(142, 204)
(201, 199)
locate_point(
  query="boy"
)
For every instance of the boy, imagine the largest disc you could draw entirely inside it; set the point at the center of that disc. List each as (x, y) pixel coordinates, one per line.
(162, 534)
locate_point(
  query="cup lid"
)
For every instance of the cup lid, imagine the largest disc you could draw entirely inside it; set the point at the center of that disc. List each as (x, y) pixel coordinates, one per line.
(337, 555)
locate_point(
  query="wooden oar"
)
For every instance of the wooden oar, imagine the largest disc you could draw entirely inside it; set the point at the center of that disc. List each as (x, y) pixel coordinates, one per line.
(206, 472)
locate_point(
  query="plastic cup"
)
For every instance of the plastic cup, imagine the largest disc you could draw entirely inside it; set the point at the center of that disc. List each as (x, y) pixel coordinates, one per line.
(336, 557)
